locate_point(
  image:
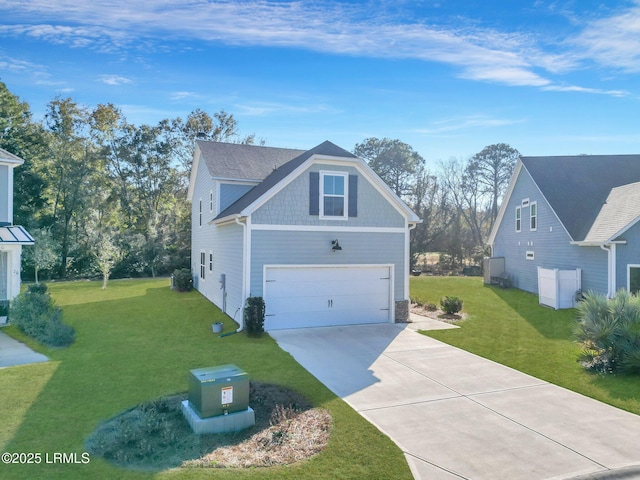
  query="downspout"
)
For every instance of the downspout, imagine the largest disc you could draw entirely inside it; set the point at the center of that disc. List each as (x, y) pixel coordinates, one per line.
(611, 268)
(244, 270)
(407, 272)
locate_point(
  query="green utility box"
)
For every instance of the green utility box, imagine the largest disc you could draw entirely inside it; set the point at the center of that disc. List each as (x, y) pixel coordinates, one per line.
(218, 390)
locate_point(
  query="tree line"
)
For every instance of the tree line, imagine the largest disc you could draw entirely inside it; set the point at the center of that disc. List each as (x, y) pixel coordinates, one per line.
(104, 197)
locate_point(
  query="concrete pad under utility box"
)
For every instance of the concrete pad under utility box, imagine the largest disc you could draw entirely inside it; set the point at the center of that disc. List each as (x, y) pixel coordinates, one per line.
(233, 422)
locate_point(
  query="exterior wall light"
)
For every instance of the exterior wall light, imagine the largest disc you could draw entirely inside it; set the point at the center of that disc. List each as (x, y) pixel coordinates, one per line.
(335, 246)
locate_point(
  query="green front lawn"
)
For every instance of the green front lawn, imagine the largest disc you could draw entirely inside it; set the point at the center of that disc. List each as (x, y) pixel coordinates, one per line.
(136, 341)
(509, 327)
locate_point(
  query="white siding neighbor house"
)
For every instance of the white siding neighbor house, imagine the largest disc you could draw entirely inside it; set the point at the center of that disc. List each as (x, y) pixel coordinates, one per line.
(12, 237)
(316, 233)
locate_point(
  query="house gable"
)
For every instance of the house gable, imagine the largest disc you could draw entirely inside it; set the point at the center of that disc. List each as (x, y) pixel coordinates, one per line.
(291, 204)
(335, 159)
(576, 187)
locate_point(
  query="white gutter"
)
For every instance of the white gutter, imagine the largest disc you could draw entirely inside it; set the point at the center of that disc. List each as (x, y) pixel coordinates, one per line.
(244, 270)
(407, 270)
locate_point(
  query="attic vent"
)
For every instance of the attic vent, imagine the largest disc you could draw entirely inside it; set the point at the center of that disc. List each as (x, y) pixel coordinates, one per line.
(525, 202)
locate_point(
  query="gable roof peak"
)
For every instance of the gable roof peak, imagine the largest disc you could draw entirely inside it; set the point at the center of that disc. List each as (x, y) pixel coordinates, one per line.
(577, 186)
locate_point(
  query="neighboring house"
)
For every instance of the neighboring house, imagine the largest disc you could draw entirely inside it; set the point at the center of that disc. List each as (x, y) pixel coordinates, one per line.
(570, 213)
(316, 233)
(12, 237)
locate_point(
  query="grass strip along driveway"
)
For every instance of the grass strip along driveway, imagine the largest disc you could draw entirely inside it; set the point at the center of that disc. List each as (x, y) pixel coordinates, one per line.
(137, 341)
(511, 328)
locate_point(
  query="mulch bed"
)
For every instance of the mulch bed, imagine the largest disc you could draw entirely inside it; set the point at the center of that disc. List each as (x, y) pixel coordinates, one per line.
(156, 436)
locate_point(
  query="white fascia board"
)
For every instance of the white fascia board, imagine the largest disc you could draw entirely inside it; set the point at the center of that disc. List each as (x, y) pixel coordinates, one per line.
(194, 172)
(505, 202)
(598, 244)
(326, 228)
(228, 219)
(11, 162)
(355, 162)
(623, 230)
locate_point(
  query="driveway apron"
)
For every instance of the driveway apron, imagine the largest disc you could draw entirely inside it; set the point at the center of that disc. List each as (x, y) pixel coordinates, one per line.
(457, 415)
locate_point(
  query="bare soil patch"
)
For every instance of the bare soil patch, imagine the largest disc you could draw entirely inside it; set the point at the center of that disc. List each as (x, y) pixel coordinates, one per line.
(155, 435)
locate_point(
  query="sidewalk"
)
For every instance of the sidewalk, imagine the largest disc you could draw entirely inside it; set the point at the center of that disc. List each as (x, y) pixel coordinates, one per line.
(13, 352)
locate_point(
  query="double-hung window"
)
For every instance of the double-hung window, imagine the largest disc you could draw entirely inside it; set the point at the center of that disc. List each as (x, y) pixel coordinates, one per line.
(518, 218)
(333, 195)
(534, 216)
(202, 264)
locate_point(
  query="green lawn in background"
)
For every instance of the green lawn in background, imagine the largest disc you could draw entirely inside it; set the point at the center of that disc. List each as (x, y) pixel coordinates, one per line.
(510, 327)
(136, 341)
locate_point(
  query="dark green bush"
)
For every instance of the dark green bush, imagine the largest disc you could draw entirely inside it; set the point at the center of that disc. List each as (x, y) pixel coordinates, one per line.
(609, 331)
(182, 280)
(254, 311)
(451, 305)
(35, 314)
(4, 308)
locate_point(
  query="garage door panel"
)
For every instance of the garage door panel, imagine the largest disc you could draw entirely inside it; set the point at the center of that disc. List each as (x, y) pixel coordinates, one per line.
(299, 297)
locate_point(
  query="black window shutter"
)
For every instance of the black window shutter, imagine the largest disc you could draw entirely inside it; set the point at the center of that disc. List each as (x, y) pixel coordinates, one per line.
(353, 195)
(314, 193)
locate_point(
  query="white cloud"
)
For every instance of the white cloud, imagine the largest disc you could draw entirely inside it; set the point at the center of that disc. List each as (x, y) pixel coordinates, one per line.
(465, 123)
(114, 80)
(614, 41)
(481, 54)
(259, 109)
(178, 96)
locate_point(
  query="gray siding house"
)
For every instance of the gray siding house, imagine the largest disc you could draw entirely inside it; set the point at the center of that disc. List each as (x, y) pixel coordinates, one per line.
(12, 237)
(316, 233)
(572, 212)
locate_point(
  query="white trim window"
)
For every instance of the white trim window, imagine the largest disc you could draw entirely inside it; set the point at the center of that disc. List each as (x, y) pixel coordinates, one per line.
(211, 261)
(200, 213)
(211, 201)
(633, 278)
(334, 193)
(518, 218)
(533, 209)
(203, 260)
(530, 255)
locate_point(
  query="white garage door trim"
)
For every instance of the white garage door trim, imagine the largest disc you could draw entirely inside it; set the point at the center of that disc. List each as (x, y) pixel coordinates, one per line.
(300, 296)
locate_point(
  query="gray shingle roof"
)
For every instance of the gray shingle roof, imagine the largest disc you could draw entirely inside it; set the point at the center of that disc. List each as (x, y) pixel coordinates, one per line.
(577, 187)
(251, 162)
(325, 148)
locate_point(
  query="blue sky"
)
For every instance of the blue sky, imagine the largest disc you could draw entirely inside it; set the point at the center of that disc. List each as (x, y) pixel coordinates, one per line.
(547, 77)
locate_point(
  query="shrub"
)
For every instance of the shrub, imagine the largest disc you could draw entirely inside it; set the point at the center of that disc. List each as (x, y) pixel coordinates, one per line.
(35, 314)
(451, 305)
(4, 308)
(609, 331)
(254, 311)
(182, 280)
(431, 307)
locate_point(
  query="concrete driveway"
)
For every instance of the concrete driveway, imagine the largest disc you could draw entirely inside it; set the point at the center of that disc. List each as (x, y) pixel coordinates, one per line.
(457, 415)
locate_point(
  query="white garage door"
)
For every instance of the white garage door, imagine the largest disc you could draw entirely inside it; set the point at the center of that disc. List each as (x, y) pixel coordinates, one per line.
(298, 297)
